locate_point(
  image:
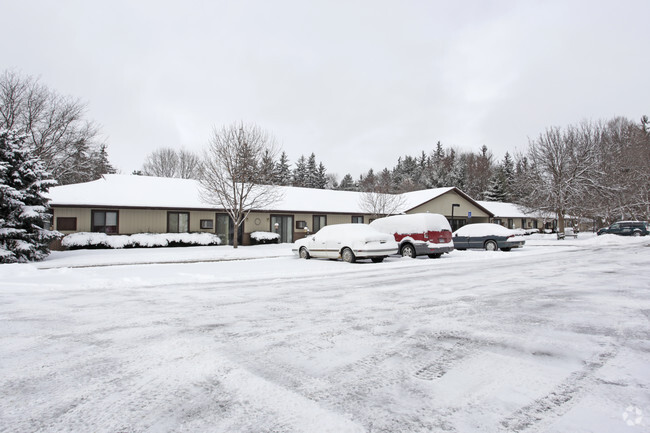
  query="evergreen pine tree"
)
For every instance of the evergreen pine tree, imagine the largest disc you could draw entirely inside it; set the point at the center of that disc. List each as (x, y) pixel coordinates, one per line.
(101, 164)
(311, 174)
(23, 209)
(508, 170)
(437, 172)
(267, 169)
(321, 178)
(367, 183)
(283, 171)
(496, 188)
(347, 183)
(300, 172)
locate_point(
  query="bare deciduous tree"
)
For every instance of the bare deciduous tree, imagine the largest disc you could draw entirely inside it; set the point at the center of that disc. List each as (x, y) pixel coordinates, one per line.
(168, 162)
(230, 177)
(55, 125)
(380, 204)
(161, 163)
(189, 165)
(377, 199)
(561, 170)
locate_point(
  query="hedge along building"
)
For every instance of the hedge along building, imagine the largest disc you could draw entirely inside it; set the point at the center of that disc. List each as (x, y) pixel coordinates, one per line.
(126, 204)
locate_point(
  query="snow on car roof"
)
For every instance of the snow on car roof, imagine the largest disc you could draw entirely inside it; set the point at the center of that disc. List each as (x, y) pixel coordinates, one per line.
(483, 229)
(352, 231)
(414, 223)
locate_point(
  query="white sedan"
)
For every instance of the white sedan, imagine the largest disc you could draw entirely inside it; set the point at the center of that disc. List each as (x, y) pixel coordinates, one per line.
(348, 242)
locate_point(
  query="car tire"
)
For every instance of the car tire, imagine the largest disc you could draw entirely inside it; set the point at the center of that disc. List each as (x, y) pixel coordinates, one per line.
(408, 250)
(491, 246)
(377, 259)
(304, 254)
(435, 256)
(348, 256)
(636, 233)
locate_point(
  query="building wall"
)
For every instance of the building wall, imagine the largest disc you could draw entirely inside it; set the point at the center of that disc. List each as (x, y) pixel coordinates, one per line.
(82, 215)
(261, 221)
(442, 205)
(132, 221)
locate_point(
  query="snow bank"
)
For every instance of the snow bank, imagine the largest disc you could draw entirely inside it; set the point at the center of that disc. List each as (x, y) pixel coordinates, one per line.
(484, 229)
(139, 240)
(264, 236)
(413, 223)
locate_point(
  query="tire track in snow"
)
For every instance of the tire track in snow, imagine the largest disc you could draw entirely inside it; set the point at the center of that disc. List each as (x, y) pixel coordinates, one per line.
(557, 402)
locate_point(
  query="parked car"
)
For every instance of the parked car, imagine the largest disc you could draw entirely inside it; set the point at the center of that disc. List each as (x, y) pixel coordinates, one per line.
(418, 234)
(487, 236)
(348, 242)
(627, 228)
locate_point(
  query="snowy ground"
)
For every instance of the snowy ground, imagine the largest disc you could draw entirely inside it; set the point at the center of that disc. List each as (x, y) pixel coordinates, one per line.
(552, 337)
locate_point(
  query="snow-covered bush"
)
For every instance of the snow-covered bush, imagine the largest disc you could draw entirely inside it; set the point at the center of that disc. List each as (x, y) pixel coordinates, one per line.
(261, 238)
(23, 209)
(85, 240)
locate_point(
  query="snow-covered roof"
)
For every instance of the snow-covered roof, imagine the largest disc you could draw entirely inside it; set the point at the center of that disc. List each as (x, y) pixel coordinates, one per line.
(505, 210)
(118, 190)
(115, 190)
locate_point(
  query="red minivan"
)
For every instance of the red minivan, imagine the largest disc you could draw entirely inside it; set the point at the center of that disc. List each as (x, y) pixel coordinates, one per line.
(418, 234)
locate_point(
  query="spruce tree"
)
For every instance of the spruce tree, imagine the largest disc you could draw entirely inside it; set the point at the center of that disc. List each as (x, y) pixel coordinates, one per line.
(282, 171)
(311, 174)
(300, 172)
(321, 177)
(496, 188)
(101, 164)
(267, 169)
(347, 183)
(23, 208)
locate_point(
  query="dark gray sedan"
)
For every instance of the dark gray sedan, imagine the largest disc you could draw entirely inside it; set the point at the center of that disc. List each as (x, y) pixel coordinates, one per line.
(490, 237)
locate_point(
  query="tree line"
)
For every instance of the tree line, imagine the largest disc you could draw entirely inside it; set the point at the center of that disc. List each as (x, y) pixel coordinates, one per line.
(597, 170)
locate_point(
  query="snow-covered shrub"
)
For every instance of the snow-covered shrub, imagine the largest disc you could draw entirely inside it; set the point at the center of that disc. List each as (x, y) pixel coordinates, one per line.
(262, 238)
(23, 209)
(85, 240)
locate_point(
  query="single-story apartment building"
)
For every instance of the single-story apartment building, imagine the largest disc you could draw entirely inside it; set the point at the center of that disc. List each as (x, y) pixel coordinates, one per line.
(513, 216)
(128, 204)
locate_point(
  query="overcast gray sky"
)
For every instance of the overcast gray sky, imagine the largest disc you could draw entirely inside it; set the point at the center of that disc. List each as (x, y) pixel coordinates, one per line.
(357, 82)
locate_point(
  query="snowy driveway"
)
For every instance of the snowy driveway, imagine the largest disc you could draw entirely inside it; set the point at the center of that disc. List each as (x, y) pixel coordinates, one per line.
(546, 338)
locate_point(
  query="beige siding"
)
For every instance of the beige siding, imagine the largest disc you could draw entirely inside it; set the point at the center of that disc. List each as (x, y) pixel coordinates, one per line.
(261, 221)
(442, 205)
(257, 222)
(132, 221)
(142, 221)
(197, 216)
(82, 215)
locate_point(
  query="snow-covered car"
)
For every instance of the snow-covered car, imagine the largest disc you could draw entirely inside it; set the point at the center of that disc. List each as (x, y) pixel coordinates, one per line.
(348, 242)
(418, 234)
(486, 236)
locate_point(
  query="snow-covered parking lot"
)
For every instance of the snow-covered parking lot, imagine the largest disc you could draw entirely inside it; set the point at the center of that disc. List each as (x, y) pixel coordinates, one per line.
(552, 337)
